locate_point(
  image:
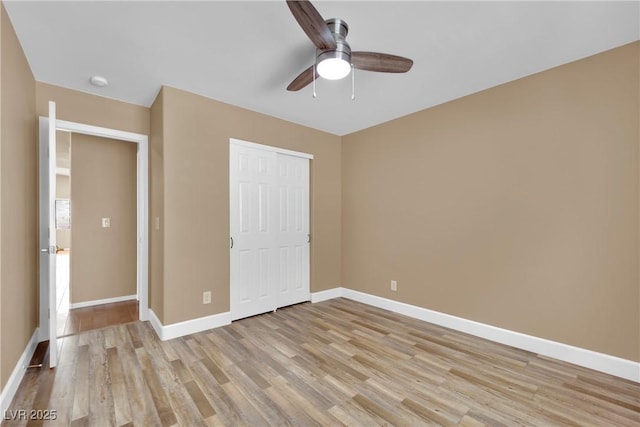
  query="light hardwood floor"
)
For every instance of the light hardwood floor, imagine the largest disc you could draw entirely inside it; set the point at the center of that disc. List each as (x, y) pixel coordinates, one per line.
(332, 363)
(98, 316)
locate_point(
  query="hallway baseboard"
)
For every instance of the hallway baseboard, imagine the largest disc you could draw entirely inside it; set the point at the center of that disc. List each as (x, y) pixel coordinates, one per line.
(9, 390)
(102, 301)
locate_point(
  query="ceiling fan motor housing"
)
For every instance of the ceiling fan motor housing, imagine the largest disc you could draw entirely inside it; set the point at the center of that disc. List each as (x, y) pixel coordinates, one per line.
(339, 29)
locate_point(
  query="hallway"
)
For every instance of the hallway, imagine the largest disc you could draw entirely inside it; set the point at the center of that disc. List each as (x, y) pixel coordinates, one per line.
(74, 321)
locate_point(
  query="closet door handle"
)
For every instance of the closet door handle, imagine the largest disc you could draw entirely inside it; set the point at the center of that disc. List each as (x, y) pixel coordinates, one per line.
(308, 238)
(231, 238)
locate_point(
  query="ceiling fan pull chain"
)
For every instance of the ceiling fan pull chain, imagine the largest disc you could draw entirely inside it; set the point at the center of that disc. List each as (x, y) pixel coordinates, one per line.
(314, 79)
(353, 83)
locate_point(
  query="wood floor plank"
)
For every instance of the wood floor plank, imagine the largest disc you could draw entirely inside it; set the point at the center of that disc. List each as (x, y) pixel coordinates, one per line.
(294, 414)
(263, 352)
(590, 404)
(378, 410)
(200, 400)
(122, 409)
(338, 362)
(62, 394)
(163, 408)
(246, 411)
(142, 406)
(429, 414)
(181, 370)
(101, 407)
(258, 396)
(622, 400)
(226, 410)
(320, 416)
(184, 399)
(81, 395)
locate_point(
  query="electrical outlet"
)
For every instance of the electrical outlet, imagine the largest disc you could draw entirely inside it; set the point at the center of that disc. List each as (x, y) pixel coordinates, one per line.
(206, 297)
(394, 285)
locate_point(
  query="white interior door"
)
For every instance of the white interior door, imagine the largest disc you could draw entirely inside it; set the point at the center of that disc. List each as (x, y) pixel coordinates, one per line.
(252, 221)
(269, 223)
(293, 230)
(47, 232)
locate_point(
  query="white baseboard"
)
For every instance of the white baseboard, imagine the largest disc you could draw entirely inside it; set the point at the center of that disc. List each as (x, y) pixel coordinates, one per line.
(102, 301)
(325, 295)
(9, 390)
(187, 327)
(579, 356)
(156, 324)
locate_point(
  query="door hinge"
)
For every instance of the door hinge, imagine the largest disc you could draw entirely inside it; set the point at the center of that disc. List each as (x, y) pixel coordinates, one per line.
(48, 313)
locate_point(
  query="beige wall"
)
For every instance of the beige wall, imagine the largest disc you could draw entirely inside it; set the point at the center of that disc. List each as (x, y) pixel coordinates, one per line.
(80, 107)
(156, 209)
(103, 184)
(63, 190)
(63, 236)
(19, 195)
(196, 132)
(516, 207)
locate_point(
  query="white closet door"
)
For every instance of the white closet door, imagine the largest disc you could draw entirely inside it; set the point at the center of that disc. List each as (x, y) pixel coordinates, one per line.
(253, 225)
(269, 223)
(293, 230)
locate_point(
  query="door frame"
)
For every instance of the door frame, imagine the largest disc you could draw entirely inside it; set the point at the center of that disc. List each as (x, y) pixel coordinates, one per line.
(142, 194)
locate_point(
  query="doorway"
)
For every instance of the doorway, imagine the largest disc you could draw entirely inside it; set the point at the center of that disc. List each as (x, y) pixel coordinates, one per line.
(269, 223)
(48, 301)
(100, 271)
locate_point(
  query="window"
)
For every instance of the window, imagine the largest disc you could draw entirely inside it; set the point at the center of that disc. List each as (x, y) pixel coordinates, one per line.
(63, 214)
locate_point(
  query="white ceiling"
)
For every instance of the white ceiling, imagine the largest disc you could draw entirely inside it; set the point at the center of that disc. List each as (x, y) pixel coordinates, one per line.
(246, 53)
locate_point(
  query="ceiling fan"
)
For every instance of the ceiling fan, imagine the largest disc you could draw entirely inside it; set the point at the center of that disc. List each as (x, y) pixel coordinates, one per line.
(334, 57)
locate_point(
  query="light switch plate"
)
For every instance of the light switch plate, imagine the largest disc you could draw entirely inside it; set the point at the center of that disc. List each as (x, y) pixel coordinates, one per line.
(106, 222)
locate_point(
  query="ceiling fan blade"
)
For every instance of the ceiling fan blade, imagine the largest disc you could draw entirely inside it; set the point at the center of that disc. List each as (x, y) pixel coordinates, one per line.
(303, 79)
(381, 62)
(312, 23)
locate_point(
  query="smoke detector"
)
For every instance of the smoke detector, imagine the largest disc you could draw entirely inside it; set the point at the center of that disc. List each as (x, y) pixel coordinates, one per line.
(99, 81)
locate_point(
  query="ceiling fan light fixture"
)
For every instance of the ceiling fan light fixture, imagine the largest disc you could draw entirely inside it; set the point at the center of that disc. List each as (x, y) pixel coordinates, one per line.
(334, 69)
(334, 65)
